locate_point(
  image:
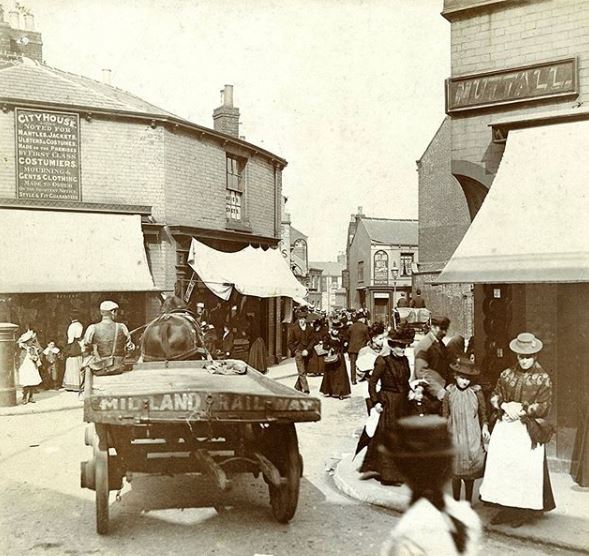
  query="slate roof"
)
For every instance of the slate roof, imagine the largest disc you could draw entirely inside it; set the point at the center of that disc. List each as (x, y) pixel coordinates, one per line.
(296, 234)
(24, 80)
(28, 80)
(388, 231)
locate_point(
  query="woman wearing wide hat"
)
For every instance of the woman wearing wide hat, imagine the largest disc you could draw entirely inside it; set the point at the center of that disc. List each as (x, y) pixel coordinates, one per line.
(392, 373)
(434, 524)
(516, 473)
(336, 381)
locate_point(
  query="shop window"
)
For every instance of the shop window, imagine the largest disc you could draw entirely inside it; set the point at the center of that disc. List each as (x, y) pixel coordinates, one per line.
(360, 271)
(235, 195)
(406, 262)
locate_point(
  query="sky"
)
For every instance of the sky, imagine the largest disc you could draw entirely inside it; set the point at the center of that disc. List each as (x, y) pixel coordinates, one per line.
(349, 92)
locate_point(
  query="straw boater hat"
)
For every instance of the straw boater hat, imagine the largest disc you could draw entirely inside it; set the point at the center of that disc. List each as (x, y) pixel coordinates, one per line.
(464, 366)
(526, 344)
(424, 436)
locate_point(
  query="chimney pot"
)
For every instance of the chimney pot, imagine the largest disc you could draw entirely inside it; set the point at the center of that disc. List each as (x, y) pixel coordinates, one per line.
(29, 22)
(14, 19)
(226, 116)
(106, 76)
(228, 96)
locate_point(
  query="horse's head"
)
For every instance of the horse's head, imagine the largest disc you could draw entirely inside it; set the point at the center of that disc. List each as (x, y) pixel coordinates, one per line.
(173, 336)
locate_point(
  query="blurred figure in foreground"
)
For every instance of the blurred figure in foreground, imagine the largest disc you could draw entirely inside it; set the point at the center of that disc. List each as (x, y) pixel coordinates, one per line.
(434, 523)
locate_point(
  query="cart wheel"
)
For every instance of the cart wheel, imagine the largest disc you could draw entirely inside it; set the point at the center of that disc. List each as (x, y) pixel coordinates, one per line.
(101, 488)
(285, 455)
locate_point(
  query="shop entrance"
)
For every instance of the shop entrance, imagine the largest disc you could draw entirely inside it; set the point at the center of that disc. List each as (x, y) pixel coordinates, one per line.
(382, 308)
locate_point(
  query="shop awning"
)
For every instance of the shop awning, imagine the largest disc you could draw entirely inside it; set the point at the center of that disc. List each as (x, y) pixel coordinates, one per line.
(250, 271)
(532, 226)
(51, 251)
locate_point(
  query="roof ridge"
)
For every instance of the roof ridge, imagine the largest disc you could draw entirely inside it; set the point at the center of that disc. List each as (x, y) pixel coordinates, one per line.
(390, 219)
(63, 74)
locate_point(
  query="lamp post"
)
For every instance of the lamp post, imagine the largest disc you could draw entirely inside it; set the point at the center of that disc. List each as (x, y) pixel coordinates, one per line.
(394, 276)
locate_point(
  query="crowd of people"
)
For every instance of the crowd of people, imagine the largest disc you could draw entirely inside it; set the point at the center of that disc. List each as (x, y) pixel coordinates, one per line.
(498, 438)
(53, 368)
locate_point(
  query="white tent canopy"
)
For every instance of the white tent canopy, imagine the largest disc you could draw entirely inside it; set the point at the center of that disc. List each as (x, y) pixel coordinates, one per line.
(532, 226)
(251, 271)
(52, 251)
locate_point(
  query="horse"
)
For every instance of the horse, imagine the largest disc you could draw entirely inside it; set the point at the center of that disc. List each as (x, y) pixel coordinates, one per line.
(173, 336)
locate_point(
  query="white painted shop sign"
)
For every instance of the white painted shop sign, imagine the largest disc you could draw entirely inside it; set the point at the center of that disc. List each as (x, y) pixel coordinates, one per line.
(47, 155)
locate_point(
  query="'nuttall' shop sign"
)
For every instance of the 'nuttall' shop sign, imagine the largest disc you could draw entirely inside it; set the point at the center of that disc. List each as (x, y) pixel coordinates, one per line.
(523, 84)
(47, 155)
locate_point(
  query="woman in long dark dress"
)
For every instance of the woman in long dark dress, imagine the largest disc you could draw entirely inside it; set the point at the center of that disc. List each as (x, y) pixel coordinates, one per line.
(317, 362)
(336, 381)
(392, 373)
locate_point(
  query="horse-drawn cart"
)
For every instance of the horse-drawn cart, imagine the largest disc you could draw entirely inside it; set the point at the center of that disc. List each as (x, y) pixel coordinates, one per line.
(213, 418)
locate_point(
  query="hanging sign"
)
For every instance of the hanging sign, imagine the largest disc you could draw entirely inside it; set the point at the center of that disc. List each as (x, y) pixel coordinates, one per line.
(47, 155)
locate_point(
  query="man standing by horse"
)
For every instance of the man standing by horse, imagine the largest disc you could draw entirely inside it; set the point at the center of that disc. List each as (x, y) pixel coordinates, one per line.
(107, 340)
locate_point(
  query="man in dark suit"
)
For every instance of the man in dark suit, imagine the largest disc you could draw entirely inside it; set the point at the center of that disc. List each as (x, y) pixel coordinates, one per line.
(431, 358)
(417, 301)
(301, 343)
(402, 302)
(359, 337)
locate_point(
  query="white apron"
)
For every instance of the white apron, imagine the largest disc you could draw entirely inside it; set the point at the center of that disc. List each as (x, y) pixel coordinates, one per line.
(28, 374)
(514, 474)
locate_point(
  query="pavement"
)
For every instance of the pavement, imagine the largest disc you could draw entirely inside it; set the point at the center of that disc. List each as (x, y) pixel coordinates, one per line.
(566, 527)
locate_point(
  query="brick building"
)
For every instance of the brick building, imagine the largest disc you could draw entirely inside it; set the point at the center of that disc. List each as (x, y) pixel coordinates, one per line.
(381, 255)
(326, 290)
(167, 179)
(516, 138)
(443, 221)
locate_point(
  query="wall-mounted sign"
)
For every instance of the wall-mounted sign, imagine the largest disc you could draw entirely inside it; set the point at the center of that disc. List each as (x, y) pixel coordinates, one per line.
(381, 268)
(526, 83)
(47, 155)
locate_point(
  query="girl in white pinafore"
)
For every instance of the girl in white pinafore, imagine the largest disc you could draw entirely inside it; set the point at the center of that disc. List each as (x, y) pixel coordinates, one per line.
(28, 373)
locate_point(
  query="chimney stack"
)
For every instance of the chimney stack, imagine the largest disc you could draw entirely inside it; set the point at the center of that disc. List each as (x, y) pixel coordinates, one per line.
(16, 41)
(14, 19)
(106, 75)
(226, 116)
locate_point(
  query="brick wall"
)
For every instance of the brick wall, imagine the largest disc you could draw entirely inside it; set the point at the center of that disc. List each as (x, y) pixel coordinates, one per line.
(7, 155)
(196, 185)
(443, 212)
(511, 35)
(359, 250)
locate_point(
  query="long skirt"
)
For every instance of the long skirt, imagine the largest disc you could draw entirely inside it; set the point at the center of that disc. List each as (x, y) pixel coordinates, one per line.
(375, 458)
(28, 374)
(516, 475)
(316, 364)
(71, 377)
(580, 459)
(336, 381)
(258, 358)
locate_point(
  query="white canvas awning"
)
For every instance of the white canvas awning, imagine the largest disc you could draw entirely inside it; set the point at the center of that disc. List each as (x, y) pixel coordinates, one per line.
(532, 226)
(250, 271)
(51, 251)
